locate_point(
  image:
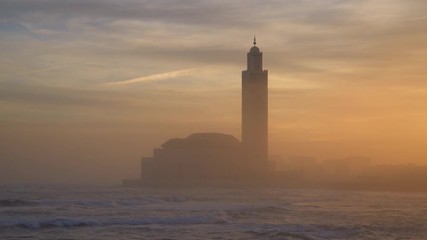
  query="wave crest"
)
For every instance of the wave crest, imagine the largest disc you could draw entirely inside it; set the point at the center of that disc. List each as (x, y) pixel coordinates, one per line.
(15, 203)
(70, 222)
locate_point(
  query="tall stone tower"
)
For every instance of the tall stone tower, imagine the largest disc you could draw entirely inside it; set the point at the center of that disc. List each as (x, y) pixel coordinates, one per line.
(255, 110)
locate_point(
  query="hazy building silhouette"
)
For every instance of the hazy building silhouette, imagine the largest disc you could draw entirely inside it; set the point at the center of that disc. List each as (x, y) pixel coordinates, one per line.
(203, 157)
(218, 157)
(255, 109)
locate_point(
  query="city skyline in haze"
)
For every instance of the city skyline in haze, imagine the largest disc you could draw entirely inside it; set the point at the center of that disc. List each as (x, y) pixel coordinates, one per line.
(90, 86)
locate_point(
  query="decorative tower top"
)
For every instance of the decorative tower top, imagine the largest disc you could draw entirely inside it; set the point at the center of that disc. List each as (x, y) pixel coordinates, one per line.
(254, 49)
(254, 58)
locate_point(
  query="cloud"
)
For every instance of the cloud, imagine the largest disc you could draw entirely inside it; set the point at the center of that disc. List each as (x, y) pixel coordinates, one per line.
(154, 77)
(303, 39)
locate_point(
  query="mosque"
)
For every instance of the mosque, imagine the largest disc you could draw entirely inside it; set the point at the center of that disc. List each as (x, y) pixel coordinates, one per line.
(203, 158)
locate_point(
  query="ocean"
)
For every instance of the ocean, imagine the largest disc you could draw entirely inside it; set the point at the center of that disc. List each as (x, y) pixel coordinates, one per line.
(76, 212)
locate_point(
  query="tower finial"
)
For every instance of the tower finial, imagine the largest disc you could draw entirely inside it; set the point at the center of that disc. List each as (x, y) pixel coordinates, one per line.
(254, 40)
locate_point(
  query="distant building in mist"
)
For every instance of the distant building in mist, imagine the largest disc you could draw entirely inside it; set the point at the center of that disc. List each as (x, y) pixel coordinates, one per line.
(202, 159)
(255, 110)
(216, 157)
(200, 156)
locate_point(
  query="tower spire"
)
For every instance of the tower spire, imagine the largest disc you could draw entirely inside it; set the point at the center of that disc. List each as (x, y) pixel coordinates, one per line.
(255, 110)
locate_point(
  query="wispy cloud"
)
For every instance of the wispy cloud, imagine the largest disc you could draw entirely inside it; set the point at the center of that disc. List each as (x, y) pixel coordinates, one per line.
(154, 77)
(415, 19)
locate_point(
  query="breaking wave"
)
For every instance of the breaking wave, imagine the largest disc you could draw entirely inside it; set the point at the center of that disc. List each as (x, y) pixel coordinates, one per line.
(93, 203)
(15, 203)
(72, 223)
(278, 234)
(256, 211)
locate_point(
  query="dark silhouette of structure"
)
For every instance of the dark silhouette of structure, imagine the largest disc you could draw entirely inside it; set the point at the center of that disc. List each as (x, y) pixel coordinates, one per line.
(216, 157)
(255, 110)
(204, 157)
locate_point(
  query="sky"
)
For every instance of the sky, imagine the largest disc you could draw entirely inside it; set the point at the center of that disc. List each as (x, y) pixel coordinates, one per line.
(87, 87)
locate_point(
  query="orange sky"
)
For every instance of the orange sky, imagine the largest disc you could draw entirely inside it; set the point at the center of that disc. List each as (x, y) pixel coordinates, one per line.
(91, 86)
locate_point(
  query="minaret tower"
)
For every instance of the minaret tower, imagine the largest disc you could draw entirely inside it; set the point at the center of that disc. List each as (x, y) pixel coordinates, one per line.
(255, 110)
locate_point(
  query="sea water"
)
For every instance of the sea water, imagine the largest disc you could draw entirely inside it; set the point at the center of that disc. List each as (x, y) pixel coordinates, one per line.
(75, 212)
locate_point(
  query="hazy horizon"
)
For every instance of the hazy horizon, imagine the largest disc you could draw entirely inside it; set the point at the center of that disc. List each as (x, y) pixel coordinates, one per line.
(89, 87)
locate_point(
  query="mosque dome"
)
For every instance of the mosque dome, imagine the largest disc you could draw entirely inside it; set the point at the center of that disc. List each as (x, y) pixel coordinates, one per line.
(203, 140)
